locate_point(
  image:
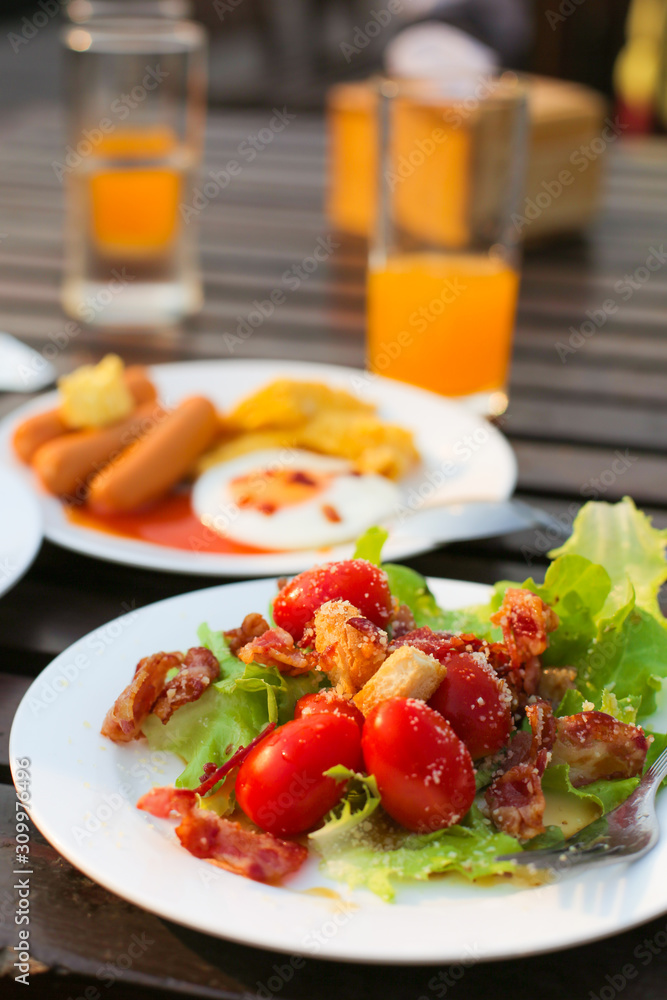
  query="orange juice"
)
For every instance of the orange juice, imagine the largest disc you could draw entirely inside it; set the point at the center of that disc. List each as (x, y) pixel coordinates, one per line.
(442, 321)
(134, 206)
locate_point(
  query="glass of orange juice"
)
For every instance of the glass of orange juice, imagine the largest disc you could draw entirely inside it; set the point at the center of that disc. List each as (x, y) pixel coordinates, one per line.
(137, 99)
(444, 260)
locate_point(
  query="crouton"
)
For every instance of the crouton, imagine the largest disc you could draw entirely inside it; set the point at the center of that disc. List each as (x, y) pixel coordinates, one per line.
(349, 651)
(406, 673)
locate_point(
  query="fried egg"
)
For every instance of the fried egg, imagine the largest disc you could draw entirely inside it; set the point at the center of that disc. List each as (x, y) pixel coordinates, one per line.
(286, 498)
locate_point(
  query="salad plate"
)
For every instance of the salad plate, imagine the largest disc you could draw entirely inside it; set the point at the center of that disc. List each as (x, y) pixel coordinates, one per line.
(463, 459)
(84, 790)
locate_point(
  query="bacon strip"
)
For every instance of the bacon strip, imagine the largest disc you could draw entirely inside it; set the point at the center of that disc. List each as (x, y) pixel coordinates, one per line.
(526, 621)
(515, 797)
(125, 718)
(275, 648)
(164, 801)
(199, 669)
(597, 746)
(256, 855)
(259, 856)
(252, 626)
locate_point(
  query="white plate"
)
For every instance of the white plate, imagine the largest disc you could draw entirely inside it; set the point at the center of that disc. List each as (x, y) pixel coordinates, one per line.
(83, 791)
(445, 432)
(20, 528)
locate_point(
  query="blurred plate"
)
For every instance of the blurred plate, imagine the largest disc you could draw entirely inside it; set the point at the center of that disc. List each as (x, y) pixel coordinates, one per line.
(20, 528)
(464, 458)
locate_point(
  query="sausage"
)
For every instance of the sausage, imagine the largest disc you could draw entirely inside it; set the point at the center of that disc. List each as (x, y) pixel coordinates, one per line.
(65, 464)
(43, 427)
(158, 460)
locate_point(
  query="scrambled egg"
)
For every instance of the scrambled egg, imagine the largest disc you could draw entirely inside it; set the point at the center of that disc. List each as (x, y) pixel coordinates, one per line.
(290, 414)
(95, 395)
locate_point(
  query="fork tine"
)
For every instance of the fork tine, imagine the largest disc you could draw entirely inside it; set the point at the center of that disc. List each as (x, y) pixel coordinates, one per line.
(658, 769)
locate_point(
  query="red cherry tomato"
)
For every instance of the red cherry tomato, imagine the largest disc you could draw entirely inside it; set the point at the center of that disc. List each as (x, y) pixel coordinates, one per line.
(281, 785)
(354, 580)
(327, 702)
(476, 702)
(423, 770)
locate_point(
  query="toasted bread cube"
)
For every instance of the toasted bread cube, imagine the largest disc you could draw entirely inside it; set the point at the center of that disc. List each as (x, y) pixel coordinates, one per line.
(406, 673)
(349, 656)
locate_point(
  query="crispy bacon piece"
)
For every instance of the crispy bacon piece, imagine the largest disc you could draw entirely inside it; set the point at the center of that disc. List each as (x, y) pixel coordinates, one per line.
(515, 797)
(275, 648)
(597, 746)
(124, 720)
(199, 669)
(259, 856)
(350, 648)
(164, 801)
(252, 626)
(526, 621)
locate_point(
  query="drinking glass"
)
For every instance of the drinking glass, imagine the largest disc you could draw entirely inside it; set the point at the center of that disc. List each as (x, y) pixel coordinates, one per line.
(137, 100)
(444, 261)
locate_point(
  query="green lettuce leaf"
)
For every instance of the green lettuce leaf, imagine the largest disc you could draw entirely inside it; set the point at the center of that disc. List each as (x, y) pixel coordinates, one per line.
(230, 713)
(622, 539)
(623, 709)
(366, 862)
(410, 587)
(605, 795)
(576, 589)
(360, 801)
(370, 545)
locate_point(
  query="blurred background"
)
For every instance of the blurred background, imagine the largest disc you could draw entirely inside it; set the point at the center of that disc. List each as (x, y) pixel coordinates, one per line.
(264, 51)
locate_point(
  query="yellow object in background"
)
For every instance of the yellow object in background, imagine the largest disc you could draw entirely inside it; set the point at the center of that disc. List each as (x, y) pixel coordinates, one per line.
(431, 153)
(134, 207)
(443, 322)
(564, 120)
(95, 395)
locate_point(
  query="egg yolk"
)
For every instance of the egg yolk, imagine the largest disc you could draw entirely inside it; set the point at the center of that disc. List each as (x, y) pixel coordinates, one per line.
(268, 490)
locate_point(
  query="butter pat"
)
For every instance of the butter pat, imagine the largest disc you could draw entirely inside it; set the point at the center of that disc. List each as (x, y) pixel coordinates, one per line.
(95, 395)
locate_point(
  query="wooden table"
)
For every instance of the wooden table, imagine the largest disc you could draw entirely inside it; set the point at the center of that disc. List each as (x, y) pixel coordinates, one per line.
(572, 412)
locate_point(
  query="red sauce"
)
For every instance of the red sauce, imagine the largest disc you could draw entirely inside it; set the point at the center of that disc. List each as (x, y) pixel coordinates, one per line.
(170, 522)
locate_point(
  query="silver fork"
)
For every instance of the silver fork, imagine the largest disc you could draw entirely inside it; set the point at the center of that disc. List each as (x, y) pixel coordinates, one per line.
(625, 834)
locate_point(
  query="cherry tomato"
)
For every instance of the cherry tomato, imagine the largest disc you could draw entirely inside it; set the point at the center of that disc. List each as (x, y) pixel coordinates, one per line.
(327, 701)
(281, 785)
(476, 702)
(354, 580)
(423, 770)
